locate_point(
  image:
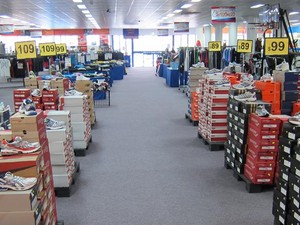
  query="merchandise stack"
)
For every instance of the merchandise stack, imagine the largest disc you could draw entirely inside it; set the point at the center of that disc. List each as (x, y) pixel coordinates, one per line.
(86, 87)
(208, 100)
(19, 96)
(271, 93)
(31, 83)
(32, 169)
(192, 91)
(289, 89)
(262, 149)
(286, 194)
(50, 99)
(60, 137)
(80, 120)
(4, 117)
(61, 85)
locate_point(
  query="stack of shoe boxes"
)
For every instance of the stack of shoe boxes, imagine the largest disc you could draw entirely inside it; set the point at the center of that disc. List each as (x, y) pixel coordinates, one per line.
(80, 119)
(195, 74)
(286, 194)
(44, 84)
(289, 89)
(86, 87)
(271, 93)
(31, 82)
(61, 85)
(19, 96)
(4, 119)
(207, 100)
(61, 149)
(33, 129)
(38, 101)
(237, 117)
(262, 149)
(50, 99)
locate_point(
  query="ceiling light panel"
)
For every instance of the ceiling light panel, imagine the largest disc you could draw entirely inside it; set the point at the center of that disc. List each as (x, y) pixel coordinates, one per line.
(85, 11)
(177, 11)
(196, 1)
(293, 13)
(77, 1)
(257, 6)
(81, 6)
(185, 6)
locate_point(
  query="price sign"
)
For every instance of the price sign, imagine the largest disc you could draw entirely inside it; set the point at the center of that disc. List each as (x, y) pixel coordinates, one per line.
(47, 49)
(276, 46)
(214, 46)
(25, 50)
(244, 46)
(61, 49)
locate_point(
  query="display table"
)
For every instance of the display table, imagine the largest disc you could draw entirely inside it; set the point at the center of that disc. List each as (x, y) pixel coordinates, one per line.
(117, 72)
(164, 69)
(172, 77)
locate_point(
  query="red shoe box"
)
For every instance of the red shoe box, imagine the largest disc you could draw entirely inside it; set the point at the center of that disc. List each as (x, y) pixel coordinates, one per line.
(39, 106)
(217, 114)
(260, 167)
(217, 130)
(270, 156)
(36, 99)
(22, 93)
(52, 93)
(217, 137)
(263, 145)
(255, 133)
(217, 122)
(219, 90)
(50, 99)
(267, 178)
(265, 123)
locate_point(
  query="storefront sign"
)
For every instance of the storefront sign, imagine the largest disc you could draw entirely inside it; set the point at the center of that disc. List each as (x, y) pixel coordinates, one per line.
(47, 49)
(7, 28)
(276, 46)
(162, 32)
(25, 50)
(180, 27)
(224, 14)
(36, 34)
(131, 33)
(244, 46)
(214, 46)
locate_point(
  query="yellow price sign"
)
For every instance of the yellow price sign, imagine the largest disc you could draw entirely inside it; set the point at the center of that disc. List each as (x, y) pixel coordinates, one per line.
(244, 46)
(47, 49)
(61, 49)
(276, 46)
(25, 49)
(214, 46)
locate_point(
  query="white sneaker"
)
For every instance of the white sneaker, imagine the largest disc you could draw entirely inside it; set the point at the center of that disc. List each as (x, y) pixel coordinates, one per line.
(52, 124)
(73, 93)
(16, 183)
(28, 107)
(36, 93)
(81, 77)
(246, 97)
(243, 86)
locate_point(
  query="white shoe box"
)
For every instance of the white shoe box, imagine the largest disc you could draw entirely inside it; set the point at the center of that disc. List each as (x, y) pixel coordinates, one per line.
(78, 136)
(59, 159)
(79, 144)
(73, 100)
(79, 126)
(57, 135)
(79, 118)
(61, 170)
(62, 180)
(58, 147)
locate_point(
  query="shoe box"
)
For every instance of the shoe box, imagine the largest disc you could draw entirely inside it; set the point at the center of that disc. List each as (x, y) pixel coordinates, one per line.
(61, 85)
(262, 145)
(19, 96)
(257, 178)
(260, 167)
(6, 134)
(269, 156)
(279, 209)
(283, 76)
(296, 107)
(50, 99)
(73, 100)
(31, 83)
(291, 131)
(5, 119)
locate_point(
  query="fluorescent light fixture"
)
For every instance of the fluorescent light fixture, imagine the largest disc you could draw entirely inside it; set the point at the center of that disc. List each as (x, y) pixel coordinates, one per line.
(177, 11)
(245, 21)
(14, 19)
(206, 25)
(293, 13)
(196, 1)
(4, 16)
(185, 6)
(77, 1)
(85, 11)
(88, 15)
(257, 6)
(171, 15)
(164, 18)
(293, 21)
(81, 6)
(24, 22)
(295, 24)
(91, 19)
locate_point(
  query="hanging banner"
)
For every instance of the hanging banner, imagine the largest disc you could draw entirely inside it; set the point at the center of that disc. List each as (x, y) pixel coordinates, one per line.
(131, 33)
(223, 14)
(36, 34)
(180, 27)
(162, 32)
(82, 43)
(7, 28)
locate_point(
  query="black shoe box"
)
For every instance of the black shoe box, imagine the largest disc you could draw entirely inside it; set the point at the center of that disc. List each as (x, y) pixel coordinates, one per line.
(240, 158)
(289, 86)
(229, 150)
(285, 159)
(239, 167)
(233, 104)
(294, 190)
(287, 145)
(279, 213)
(290, 220)
(291, 131)
(229, 159)
(282, 186)
(287, 105)
(243, 119)
(284, 172)
(289, 95)
(235, 92)
(240, 148)
(294, 211)
(241, 137)
(250, 107)
(280, 199)
(295, 167)
(286, 112)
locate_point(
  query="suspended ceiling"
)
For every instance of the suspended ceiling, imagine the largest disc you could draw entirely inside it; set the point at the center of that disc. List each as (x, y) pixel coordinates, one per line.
(64, 14)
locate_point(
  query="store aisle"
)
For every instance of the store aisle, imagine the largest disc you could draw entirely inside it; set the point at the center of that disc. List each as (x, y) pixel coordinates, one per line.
(146, 166)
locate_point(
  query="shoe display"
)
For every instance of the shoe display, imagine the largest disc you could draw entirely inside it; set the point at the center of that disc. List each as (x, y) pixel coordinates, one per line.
(246, 97)
(52, 124)
(28, 107)
(2, 106)
(46, 87)
(18, 146)
(31, 74)
(266, 77)
(9, 181)
(243, 86)
(261, 111)
(81, 77)
(223, 83)
(295, 119)
(36, 93)
(73, 93)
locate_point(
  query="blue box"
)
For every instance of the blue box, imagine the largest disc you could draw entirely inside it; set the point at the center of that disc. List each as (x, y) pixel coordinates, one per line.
(289, 86)
(287, 105)
(172, 79)
(99, 95)
(286, 111)
(289, 96)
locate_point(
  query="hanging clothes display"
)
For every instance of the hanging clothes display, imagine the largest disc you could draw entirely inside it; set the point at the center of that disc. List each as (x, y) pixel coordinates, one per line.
(5, 68)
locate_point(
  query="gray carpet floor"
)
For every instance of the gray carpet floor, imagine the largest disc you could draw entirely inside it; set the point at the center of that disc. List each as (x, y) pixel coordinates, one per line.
(146, 166)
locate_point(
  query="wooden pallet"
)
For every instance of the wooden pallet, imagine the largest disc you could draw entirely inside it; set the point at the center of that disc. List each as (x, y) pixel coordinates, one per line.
(193, 122)
(212, 146)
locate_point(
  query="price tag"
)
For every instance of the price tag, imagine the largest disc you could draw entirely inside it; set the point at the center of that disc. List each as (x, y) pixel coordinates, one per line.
(25, 50)
(276, 46)
(61, 49)
(47, 49)
(214, 46)
(244, 46)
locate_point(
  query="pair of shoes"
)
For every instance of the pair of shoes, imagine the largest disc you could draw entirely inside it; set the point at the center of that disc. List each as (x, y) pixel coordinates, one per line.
(4, 108)
(36, 93)
(81, 77)
(18, 146)
(261, 111)
(295, 120)
(266, 77)
(28, 107)
(246, 97)
(31, 75)
(52, 124)
(73, 92)
(223, 83)
(9, 181)
(245, 85)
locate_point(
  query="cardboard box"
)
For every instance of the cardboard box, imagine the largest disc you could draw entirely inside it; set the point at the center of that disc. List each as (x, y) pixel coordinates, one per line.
(22, 93)
(19, 119)
(58, 147)
(73, 100)
(32, 136)
(260, 167)
(26, 200)
(62, 83)
(79, 144)
(23, 217)
(6, 134)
